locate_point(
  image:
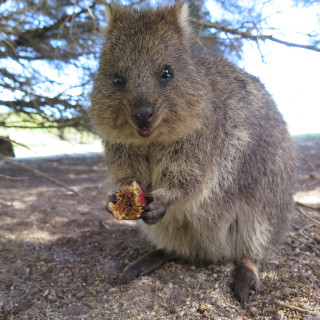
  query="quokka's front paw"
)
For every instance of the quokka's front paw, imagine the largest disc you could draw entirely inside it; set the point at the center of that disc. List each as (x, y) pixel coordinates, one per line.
(154, 211)
(112, 198)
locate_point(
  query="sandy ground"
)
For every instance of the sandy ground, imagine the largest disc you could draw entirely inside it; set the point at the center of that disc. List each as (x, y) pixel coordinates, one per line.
(61, 256)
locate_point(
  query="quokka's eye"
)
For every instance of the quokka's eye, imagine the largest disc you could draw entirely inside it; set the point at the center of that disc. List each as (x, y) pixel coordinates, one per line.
(118, 81)
(166, 73)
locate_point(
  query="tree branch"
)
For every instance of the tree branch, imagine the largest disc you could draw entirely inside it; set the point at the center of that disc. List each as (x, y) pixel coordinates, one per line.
(247, 35)
(35, 38)
(41, 33)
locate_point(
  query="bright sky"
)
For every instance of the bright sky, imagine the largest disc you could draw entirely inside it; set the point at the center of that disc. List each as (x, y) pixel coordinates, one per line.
(291, 75)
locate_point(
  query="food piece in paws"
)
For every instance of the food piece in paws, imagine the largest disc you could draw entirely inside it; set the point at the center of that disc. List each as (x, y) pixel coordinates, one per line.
(130, 202)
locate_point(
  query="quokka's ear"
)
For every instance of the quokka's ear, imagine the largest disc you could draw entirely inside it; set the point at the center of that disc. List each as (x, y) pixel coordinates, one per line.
(178, 15)
(115, 12)
(110, 11)
(182, 12)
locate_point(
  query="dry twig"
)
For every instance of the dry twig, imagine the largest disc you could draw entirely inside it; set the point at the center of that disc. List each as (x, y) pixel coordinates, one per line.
(308, 216)
(23, 306)
(289, 306)
(17, 143)
(304, 228)
(11, 178)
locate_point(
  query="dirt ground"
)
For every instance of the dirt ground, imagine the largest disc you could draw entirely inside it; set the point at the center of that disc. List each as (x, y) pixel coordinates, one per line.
(61, 257)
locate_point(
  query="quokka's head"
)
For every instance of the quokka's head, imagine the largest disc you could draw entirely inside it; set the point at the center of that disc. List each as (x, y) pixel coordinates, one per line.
(147, 88)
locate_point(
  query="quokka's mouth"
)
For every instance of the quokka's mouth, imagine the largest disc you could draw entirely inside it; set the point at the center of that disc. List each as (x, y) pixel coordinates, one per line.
(145, 132)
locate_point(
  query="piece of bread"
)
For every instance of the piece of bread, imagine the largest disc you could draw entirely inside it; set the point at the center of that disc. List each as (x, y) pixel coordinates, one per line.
(130, 202)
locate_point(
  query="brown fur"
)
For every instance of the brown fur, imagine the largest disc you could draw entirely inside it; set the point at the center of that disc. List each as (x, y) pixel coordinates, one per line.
(220, 159)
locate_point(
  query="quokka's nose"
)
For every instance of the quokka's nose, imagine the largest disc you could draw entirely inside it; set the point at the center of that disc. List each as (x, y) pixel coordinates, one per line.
(143, 114)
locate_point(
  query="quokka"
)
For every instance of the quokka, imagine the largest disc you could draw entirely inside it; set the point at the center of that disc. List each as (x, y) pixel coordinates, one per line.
(202, 137)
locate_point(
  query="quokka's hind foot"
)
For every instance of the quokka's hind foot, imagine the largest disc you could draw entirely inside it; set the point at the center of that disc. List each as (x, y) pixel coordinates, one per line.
(145, 265)
(246, 278)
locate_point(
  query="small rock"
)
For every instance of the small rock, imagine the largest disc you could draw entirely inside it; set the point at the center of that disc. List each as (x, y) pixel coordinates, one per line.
(175, 309)
(45, 294)
(281, 315)
(145, 280)
(44, 269)
(202, 307)
(253, 310)
(80, 295)
(27, 272)
(201, 276)
(287, 291)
